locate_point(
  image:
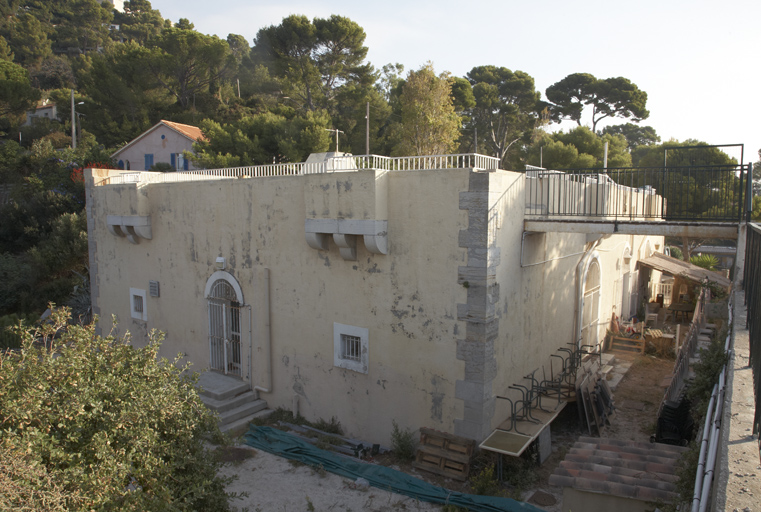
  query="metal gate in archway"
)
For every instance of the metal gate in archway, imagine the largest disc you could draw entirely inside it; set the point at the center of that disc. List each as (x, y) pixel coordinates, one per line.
(225, 329)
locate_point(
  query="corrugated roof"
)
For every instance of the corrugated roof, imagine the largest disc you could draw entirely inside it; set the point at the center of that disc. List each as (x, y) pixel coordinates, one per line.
(191, 132)
(642, 471)
(684, 269)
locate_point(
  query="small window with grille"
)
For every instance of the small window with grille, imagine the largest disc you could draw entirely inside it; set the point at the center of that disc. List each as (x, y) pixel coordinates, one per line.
(350, 347)
(138, 304)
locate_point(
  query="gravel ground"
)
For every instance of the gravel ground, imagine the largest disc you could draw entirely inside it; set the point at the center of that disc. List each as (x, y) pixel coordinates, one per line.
(275, 484)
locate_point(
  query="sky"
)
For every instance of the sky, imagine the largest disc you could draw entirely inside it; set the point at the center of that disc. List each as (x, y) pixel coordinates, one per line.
(698, 61)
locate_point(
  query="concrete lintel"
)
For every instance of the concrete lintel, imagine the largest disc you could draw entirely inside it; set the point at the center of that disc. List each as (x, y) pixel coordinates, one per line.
(677, 229)
(321, 225)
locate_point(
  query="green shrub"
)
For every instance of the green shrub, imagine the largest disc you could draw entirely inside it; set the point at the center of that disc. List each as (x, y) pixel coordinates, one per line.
(402, 443)
(331, 427)
(111, 426)
(484, 482)
(706, 261)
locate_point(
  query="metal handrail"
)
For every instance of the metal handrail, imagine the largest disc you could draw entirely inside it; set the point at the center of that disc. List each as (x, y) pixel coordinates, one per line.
(708, 193)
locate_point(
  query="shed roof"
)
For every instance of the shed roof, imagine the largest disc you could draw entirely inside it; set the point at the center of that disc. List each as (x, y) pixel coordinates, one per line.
(684, 269)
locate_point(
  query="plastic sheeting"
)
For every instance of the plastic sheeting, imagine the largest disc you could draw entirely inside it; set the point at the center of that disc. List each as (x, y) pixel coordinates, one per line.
(291, 447)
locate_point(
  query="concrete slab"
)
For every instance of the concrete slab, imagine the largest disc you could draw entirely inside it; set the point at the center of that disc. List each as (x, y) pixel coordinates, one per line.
(221, 387)
(617, 374)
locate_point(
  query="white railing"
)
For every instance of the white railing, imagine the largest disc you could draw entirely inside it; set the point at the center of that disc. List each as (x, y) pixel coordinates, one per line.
(334, 164)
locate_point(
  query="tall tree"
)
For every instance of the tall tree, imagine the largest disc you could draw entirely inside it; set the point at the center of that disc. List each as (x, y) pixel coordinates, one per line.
(284, 136)
(187, 63)
(506, 108)
(579, 148)
(83, 24)
(139, 22)
(315, 58)
(123, 96)
(16, 92)
(635, 135)
(430, 125)
(28, 38)
(611, 97)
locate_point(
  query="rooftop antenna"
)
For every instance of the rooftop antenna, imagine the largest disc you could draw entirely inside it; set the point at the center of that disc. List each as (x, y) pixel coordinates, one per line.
(337, 132)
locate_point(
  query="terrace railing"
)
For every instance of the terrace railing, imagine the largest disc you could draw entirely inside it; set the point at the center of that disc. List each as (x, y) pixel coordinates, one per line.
(752, 286)
(706, 193)
(334, 164)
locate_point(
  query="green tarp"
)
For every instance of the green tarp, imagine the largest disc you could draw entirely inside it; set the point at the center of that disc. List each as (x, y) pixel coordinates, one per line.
(291, 447)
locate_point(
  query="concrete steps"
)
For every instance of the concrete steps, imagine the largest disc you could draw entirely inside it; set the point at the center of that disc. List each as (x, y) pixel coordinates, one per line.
(233, 400)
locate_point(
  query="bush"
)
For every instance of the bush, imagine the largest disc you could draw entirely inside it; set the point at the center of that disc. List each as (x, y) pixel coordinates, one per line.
(402, 443)
(8, 337)
(110, 426)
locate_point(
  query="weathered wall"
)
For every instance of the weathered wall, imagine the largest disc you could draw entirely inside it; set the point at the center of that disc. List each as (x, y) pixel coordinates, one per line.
(453, 318)
(407, 299)
(538, 295)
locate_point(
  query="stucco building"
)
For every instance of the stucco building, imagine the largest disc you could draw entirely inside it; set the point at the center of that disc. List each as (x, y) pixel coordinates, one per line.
(165, 142)
(369, 294)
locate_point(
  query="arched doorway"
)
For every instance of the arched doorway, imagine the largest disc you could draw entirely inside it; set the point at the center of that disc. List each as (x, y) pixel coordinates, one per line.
(225, 302)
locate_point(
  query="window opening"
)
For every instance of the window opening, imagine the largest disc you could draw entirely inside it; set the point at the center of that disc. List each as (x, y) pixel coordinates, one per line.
(351, 347)
(137, 304)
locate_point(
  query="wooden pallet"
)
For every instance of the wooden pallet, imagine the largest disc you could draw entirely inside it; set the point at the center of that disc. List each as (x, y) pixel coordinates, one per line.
(444, 454)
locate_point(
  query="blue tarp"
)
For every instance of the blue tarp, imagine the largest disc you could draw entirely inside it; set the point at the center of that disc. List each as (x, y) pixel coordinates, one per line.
(291, 447)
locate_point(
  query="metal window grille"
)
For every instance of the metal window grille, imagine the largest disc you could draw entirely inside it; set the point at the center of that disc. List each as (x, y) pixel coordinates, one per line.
(351, 347)
(224, 329)
(137, 303)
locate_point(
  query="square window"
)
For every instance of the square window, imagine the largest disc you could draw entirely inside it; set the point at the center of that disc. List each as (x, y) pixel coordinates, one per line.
(137, 304)
(350, 347)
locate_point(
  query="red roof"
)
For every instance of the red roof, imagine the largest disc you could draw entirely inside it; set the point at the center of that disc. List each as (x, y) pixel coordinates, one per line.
(191, 132)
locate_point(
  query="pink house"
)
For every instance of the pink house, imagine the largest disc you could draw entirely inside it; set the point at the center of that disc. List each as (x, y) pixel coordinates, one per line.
(164, 142)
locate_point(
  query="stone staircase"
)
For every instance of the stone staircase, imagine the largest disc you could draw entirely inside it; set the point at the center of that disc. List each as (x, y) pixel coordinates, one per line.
(233, 399)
